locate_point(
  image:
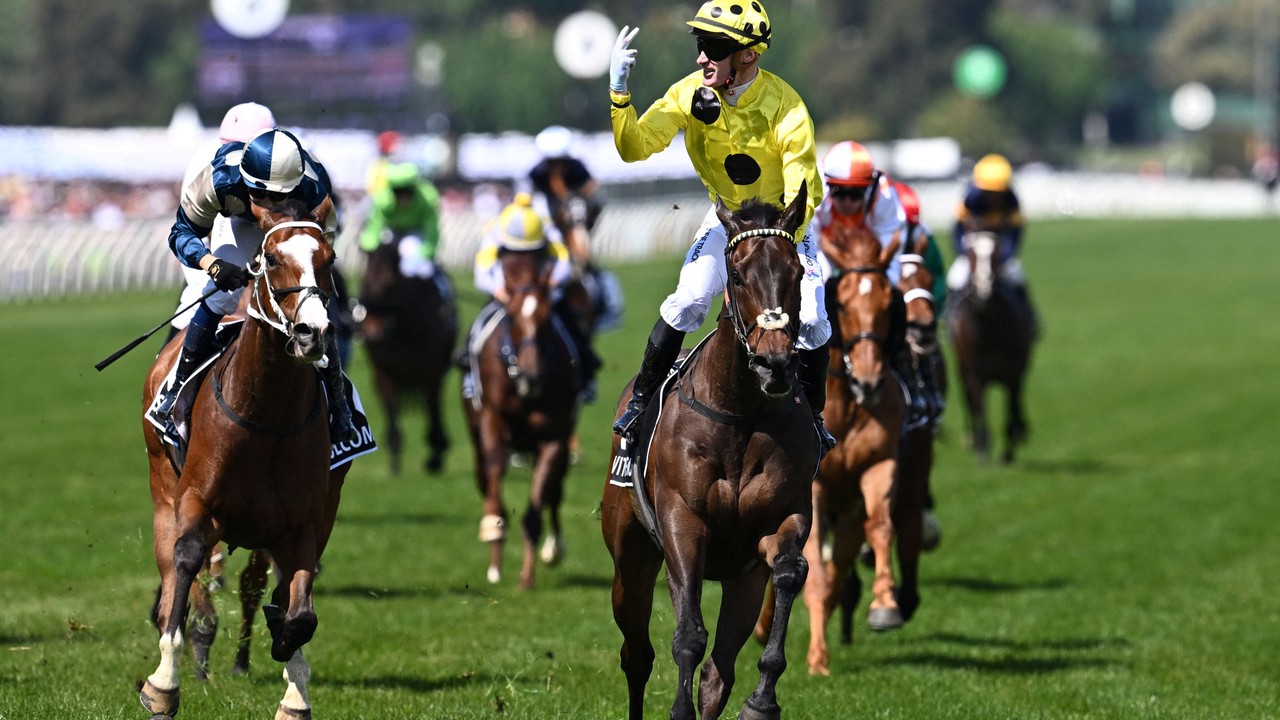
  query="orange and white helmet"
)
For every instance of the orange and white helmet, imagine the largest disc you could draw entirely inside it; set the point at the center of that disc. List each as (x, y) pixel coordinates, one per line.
(848, 163)
(910, 201)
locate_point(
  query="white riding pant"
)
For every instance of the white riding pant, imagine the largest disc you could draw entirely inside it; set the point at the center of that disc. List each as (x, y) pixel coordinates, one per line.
(703, 277)
(958, 274)
(233, 239)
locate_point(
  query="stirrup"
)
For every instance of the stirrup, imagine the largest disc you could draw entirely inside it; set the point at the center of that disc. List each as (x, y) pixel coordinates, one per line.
(342, 429)
(163, 412)
(824, 435)
(625, 424)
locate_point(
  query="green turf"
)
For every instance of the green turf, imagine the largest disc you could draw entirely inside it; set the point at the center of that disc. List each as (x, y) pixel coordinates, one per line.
(1124, 567)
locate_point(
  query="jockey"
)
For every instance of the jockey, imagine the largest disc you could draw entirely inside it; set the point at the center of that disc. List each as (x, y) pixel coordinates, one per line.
(932, 366)
(406, 210)
(860, 195)
(560, 178)
(519, 229)
(375, 177)
(728, 106)
(270, 168)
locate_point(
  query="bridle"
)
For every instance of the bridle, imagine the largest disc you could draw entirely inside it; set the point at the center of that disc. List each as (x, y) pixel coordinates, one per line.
(847, 344)
(768, 320)
(919, 294)
(277, 318)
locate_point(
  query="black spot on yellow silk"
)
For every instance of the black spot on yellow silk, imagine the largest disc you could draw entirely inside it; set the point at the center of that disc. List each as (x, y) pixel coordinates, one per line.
(705, 105)
(742, 169)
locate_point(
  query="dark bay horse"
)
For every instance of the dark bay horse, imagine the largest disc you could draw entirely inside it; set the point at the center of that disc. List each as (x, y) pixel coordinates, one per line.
(409, 332)
(257, 472)
(992, 333)
(727, 482)
(854, 489)
(526, 401)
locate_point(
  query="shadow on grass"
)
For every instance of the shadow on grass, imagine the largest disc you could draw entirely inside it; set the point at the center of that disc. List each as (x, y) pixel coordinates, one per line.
(1068, 644)
(988, 585)
(1011, 665)
(1064, 466)
(380, 519)
(369, 592)
(578, 580)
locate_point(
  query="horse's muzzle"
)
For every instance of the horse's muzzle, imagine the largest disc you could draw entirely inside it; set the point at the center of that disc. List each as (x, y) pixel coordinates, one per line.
(867, 392)
(306, 342)
(776, 371)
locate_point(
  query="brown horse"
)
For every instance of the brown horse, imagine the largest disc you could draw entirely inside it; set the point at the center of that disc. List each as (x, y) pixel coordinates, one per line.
(855, 484)
(992, 332)
(256, 473)
(409, 332)
(526, 401)
(725, 491)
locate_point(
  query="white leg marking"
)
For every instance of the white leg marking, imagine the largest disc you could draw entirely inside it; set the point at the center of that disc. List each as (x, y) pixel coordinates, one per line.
(297, 673)
(166, 675)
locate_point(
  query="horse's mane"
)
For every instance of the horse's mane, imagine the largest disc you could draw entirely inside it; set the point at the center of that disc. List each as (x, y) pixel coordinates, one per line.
(290, 209)
(758, 213)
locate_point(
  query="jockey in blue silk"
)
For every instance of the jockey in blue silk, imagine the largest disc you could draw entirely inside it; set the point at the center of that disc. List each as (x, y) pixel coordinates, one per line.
(990, 205)
(749, 135)
(271, 168)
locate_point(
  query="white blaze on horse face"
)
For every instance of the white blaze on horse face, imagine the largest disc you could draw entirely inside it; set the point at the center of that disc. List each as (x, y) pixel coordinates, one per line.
(864, 286)
(300, 249)
(529, 305)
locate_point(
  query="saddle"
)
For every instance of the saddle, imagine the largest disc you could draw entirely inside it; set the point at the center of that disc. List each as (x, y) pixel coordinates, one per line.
(176, 436)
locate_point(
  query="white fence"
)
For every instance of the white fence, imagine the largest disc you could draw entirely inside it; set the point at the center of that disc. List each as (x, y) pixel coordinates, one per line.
(52, 259)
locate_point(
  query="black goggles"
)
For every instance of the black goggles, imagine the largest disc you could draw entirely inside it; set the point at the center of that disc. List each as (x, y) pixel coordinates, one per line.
(852, 192)
(717, 49)
(260, 194)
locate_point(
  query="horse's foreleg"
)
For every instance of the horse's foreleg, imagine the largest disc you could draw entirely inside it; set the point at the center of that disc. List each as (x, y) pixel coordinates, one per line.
(740, 604)
(490, 469)
(908, 516)
(545, 491)
(437, 440)
(877, 488)
(160, 695)
(294, 627)
(203, 627)
(296, 704)
(253, 583)
(783, 552)
(391, 410)
(636, 562)
(819, 586)
(1016, 424)
(685, 536)
(847, 537)
(975, 400)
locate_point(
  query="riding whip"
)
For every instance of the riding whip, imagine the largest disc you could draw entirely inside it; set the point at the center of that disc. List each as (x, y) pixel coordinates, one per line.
(138, 341)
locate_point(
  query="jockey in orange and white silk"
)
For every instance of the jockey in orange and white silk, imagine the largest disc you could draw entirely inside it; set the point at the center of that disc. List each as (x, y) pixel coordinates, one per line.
(886, 219)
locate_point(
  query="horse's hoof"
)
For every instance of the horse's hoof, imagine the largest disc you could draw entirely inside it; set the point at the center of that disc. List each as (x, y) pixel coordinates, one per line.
(160, 703)
(434, 465)
(288, 713)
(884, 618)
(494, 575)
(552, 550)
(867, 556)
(750, 713)
(930, 532)
(493, 528)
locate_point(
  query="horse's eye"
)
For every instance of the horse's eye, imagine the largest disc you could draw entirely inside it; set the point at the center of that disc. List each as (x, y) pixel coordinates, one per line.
(271, 260)
(736, 277)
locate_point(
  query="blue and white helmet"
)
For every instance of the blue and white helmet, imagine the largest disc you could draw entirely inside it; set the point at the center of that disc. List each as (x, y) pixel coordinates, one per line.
(272, 161)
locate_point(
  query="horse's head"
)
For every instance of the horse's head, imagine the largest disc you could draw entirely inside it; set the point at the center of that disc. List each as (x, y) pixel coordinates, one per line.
(527, 274)
(981, 248)
(293, 278)
(763, 286)
(862, 295)
(916, 285)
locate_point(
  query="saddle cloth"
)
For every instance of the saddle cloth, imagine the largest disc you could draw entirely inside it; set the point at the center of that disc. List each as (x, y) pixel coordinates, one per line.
(228, 332)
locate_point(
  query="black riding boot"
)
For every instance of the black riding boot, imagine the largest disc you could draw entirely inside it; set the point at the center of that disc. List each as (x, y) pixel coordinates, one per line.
(659, 355)
(586, 354)
(196, 347)
(931, 368)
(918, 405)
(341, 428)
(813, 380)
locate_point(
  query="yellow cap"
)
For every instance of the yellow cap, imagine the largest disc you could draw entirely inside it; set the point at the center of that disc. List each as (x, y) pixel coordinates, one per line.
(519, 227)
(742, 20)
(992, 172)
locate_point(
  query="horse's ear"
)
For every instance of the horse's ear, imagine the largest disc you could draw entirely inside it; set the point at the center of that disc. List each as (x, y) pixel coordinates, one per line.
(794, 214)
(321, 213)
(886, 255)
(725, 215)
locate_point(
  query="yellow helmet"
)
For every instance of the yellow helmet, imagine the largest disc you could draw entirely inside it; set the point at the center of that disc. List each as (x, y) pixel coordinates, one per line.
(992, 172)
(743, 21)
(519, 227)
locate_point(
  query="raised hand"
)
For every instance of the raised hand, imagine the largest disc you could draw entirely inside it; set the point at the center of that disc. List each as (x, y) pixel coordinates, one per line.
(624, 57)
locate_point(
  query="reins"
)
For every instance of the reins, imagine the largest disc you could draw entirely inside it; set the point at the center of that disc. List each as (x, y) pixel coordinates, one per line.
(258, 269)
(774, 319)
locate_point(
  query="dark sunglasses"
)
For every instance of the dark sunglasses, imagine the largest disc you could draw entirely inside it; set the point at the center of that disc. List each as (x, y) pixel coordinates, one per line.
(847, 191)
(260, 194)
(717, 49)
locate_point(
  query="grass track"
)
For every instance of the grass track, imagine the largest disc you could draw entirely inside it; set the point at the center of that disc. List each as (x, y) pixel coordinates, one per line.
(1125, 567)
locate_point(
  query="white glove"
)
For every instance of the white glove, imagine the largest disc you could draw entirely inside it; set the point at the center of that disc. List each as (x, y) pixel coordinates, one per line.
(623, 58)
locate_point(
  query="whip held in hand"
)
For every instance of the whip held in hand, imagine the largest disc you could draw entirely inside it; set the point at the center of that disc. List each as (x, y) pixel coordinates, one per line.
(138, 341)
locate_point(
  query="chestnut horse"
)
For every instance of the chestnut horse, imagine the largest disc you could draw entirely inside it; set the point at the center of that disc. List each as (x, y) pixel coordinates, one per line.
(526, 400)
(865, 409)
(725, 492)
(409, 331)
(992, 332)
(257, 472)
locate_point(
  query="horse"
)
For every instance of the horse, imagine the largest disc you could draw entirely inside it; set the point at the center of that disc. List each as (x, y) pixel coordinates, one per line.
(526, 400)
(256, 472)
(992, 332)
(409, 330)
(724, 495)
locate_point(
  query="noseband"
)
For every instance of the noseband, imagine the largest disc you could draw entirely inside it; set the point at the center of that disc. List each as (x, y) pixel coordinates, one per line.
(258, 269)
(774, 319)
